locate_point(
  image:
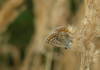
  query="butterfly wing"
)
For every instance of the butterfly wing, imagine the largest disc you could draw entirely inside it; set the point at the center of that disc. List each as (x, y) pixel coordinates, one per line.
(60, 38)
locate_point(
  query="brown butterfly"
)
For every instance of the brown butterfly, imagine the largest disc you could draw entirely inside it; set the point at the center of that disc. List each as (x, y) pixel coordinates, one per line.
(60, 38)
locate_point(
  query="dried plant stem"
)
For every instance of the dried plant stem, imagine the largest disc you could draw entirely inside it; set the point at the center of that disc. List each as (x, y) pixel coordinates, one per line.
(9, 13)
(87, 34)
(49, 58)
(86, 59)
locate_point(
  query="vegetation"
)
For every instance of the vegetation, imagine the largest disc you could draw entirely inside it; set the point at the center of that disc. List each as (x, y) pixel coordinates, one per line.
(49, 35)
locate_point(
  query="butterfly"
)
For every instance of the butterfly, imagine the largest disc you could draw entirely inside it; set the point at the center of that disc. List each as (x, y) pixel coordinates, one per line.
(60, 37)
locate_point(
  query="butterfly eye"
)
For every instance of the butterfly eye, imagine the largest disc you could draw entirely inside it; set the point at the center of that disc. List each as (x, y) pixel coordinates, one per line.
(60, 38)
